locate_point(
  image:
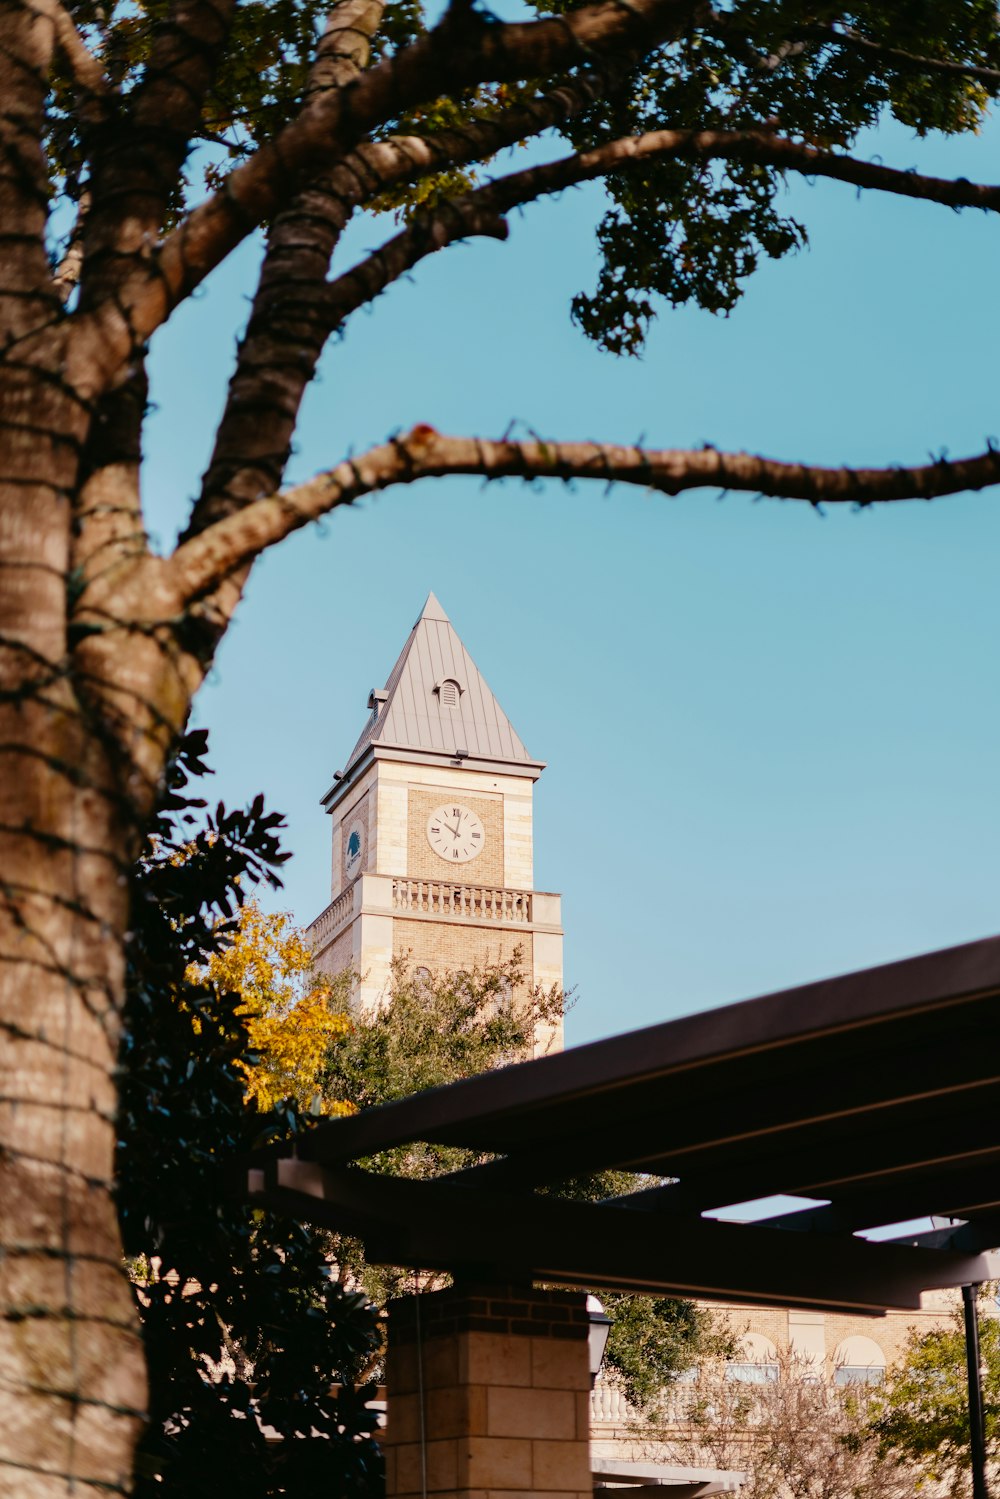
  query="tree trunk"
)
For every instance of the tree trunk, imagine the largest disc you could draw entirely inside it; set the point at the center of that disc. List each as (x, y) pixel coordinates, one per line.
(71, 1363)
(72, 1378)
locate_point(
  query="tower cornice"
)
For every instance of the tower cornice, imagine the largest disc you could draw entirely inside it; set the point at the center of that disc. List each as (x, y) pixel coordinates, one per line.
(401, 754)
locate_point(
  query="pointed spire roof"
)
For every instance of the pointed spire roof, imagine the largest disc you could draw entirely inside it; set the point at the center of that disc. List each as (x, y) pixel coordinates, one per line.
(437, 705)
(432, 610)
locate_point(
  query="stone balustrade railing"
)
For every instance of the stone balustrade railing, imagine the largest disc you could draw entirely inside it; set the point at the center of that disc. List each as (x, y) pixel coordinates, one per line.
(446, 898)
(329, 921)
(441, 898)
(609, 1407)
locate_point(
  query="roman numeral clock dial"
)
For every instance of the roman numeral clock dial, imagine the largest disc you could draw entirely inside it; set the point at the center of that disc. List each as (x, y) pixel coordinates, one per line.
(455, 833)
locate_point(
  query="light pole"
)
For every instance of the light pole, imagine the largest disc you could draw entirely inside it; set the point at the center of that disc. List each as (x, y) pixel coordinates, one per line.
(977, 1433)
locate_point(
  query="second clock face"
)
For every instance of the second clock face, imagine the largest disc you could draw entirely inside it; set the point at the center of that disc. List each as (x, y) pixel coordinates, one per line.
(455, 833)
(354, 851)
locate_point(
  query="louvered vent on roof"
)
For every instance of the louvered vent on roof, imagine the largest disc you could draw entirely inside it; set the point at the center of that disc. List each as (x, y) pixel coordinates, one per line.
(448, 693)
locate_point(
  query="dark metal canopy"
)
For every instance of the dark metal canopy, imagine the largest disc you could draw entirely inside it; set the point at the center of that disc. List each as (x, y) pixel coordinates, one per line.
(878, 1092)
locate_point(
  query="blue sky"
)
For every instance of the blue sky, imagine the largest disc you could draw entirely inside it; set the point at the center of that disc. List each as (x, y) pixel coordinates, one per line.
(771, 737)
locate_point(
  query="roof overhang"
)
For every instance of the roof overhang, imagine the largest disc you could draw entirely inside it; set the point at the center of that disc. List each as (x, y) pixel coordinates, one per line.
(453, 759)
(877, 1092)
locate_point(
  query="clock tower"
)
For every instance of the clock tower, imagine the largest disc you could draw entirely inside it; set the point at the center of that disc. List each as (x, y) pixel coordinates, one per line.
(432, 829)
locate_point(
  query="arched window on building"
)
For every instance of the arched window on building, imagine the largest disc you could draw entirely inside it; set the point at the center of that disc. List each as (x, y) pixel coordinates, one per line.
(758, 1361)
(502, 1001)
(858, 1360)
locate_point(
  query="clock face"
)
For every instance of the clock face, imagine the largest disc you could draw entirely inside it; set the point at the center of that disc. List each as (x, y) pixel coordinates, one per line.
(455, 833)
(354, 849)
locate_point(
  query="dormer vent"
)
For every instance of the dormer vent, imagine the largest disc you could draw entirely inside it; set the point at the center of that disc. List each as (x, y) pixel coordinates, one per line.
(449, 690)
(376, 698)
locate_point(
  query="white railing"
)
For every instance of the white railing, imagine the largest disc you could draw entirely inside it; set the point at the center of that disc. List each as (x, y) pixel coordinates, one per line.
(479, 902)
(328, 922)
(609, 1407)
(608, 1403)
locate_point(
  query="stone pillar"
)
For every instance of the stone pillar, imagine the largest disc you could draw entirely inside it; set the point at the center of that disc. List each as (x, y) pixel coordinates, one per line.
(488, 1395)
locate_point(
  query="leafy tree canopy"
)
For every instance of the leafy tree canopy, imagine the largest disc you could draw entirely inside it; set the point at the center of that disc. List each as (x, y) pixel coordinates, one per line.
(677, 230)
(921, 1414)
(436, 1028)
(249, 1333)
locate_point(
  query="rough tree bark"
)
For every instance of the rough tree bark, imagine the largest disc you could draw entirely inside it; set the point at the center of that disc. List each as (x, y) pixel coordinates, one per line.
(103, 644)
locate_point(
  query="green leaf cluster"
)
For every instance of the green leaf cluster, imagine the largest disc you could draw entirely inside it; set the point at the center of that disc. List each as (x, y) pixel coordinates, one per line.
(922, 1413)
(434, 1029)
(689, 232)
(250, 1335)
(654, 1340)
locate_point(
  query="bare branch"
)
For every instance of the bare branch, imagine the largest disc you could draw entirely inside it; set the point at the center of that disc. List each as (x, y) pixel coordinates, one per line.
(761, 146)
(734, 31)
(198, 566)
(460, 219)
(480, 212)
(66, 276)
(465, 49)
(912, 61)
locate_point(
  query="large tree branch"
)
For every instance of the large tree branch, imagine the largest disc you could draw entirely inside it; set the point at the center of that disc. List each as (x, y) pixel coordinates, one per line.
(761, 146)
(465, 49)
(138, 157)
(162, 601)
(108, 511)
(94, 89)
(198, 566)
(345, 46)
(290, 321)
(480, 211)
(279, 352)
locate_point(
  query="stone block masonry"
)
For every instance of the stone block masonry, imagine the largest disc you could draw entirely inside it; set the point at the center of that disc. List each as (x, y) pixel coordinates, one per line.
(488, 1394)
(442, 946)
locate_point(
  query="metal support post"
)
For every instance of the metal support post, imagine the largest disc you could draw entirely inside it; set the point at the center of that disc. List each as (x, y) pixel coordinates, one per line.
(977, 1434)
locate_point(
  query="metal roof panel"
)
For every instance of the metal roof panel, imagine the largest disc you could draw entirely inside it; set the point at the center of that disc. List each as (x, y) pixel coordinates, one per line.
(413, 715)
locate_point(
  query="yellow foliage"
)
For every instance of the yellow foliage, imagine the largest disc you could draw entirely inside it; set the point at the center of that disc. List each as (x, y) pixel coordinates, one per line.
(290, 1012)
